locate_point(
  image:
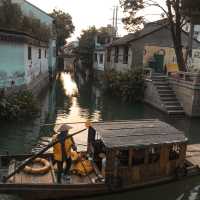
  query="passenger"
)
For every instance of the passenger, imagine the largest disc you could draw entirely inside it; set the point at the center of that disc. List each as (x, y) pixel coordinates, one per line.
(62, 150)
(103, 163)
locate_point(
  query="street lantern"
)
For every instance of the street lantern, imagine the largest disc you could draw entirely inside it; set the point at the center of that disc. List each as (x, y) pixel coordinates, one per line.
(191, 8)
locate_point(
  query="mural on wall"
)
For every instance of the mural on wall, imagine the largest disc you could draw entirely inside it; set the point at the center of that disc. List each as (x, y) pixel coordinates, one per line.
(164, 59)
(16, 78)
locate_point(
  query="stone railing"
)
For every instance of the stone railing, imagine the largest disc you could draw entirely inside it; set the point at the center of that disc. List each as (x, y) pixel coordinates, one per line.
(193, 78)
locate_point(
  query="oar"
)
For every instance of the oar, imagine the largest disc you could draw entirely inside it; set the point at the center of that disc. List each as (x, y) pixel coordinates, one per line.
(29, 160)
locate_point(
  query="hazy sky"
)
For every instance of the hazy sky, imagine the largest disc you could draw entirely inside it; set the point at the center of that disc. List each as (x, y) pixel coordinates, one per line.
(86, 13)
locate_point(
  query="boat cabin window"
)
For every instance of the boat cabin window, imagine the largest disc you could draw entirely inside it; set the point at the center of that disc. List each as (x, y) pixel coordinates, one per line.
(174, 152)
(124, 158)
(153, 154)
(138, 157)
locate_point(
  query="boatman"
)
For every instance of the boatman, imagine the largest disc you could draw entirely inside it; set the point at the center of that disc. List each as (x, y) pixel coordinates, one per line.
(62, 150)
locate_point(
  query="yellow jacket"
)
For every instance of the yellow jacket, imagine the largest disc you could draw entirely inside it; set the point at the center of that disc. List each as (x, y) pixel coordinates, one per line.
(57, 150)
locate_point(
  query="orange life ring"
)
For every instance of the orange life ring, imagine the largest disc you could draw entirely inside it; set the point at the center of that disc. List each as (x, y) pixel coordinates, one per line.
(42, 170)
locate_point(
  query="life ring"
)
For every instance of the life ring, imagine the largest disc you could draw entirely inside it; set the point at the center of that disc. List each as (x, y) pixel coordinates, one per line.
(42, 170)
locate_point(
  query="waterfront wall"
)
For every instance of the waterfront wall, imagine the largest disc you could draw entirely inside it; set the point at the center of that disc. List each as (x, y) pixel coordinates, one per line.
(188, 94)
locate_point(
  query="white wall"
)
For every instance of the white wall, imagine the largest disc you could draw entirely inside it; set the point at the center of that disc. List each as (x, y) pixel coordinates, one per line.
(35, 66)
(197, 32)
(119, 66)
(98, 65)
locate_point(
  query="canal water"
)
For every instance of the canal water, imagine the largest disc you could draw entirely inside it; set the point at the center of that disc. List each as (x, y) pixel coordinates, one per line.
(71, 99)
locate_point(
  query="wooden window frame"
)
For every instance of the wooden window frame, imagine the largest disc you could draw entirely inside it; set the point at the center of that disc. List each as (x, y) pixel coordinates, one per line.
(138, 161)
(101, 59)
(123, 159)
(174, 152)
(116, 59)
(153, 155)
(108, 55)
(39, 53)
(125, 55)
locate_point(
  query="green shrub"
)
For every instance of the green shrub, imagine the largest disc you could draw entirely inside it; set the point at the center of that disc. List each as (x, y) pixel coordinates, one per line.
(129, 86)
(18, 106)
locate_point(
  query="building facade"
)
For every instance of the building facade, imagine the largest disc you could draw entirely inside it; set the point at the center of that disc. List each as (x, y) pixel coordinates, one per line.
(101, 42)
(23, 59)
(151, 47)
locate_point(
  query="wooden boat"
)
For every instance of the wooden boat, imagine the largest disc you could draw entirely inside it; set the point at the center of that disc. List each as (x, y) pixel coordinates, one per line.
(137, 154)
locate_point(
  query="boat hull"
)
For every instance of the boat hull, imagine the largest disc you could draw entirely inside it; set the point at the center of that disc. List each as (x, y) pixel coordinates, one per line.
(54, 191)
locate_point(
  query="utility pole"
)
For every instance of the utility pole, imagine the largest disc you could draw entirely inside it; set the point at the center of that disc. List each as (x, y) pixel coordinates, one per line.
(116, 20)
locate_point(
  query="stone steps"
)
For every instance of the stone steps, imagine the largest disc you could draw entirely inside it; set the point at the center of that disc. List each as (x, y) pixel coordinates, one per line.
(167, 99)
(161, 83)
(172, 103)
(165, 91)
(176, 112)
(171, 95)
(164, 87)
(177, 107)
(167, 95)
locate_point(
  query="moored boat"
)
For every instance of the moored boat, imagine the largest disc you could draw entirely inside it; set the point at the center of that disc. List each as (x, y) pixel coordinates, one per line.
(123, 154)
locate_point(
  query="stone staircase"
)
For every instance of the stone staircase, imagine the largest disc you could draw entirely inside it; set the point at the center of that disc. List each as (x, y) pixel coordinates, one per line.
(167, 95)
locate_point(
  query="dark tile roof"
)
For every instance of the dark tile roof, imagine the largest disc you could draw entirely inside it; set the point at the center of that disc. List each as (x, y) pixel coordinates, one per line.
(147, 30)
(138, 133)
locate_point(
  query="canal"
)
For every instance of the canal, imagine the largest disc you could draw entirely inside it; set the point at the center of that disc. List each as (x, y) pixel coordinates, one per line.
(72, 99)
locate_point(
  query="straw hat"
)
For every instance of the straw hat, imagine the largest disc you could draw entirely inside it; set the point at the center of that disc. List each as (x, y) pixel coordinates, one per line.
(64, 127)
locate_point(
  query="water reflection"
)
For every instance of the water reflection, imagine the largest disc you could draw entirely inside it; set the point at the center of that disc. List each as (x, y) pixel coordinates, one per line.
(69, 84)
(72, 99)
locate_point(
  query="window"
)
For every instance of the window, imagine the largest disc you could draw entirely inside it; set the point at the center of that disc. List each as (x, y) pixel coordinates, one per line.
(116, 54)
(174, 152)
(138, 157)
(108, 55)
(95, 57)
(101, 58)
(125, 55)
(123, 158)
(39, 53)
(45, 53)
(153, 154)
(29, 53)
(54, 52)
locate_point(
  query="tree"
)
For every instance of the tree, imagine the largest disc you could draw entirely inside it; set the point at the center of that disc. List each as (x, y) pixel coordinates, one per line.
(63, 26)
(10, 15)
(87, 46)
(171, 11)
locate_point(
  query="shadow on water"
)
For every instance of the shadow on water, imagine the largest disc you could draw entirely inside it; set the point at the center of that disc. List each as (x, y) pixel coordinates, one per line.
(71, 100)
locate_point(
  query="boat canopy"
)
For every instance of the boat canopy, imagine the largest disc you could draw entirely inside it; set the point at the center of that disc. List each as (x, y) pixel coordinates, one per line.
(138, 133)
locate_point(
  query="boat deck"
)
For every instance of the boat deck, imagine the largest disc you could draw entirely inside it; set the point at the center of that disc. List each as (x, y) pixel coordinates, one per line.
(48, 178)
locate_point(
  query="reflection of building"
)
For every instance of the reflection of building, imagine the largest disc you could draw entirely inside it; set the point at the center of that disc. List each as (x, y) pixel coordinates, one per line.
(152, 47)
(24, 60)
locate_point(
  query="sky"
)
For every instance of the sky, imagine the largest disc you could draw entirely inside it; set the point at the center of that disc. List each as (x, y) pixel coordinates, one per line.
(87, 13)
